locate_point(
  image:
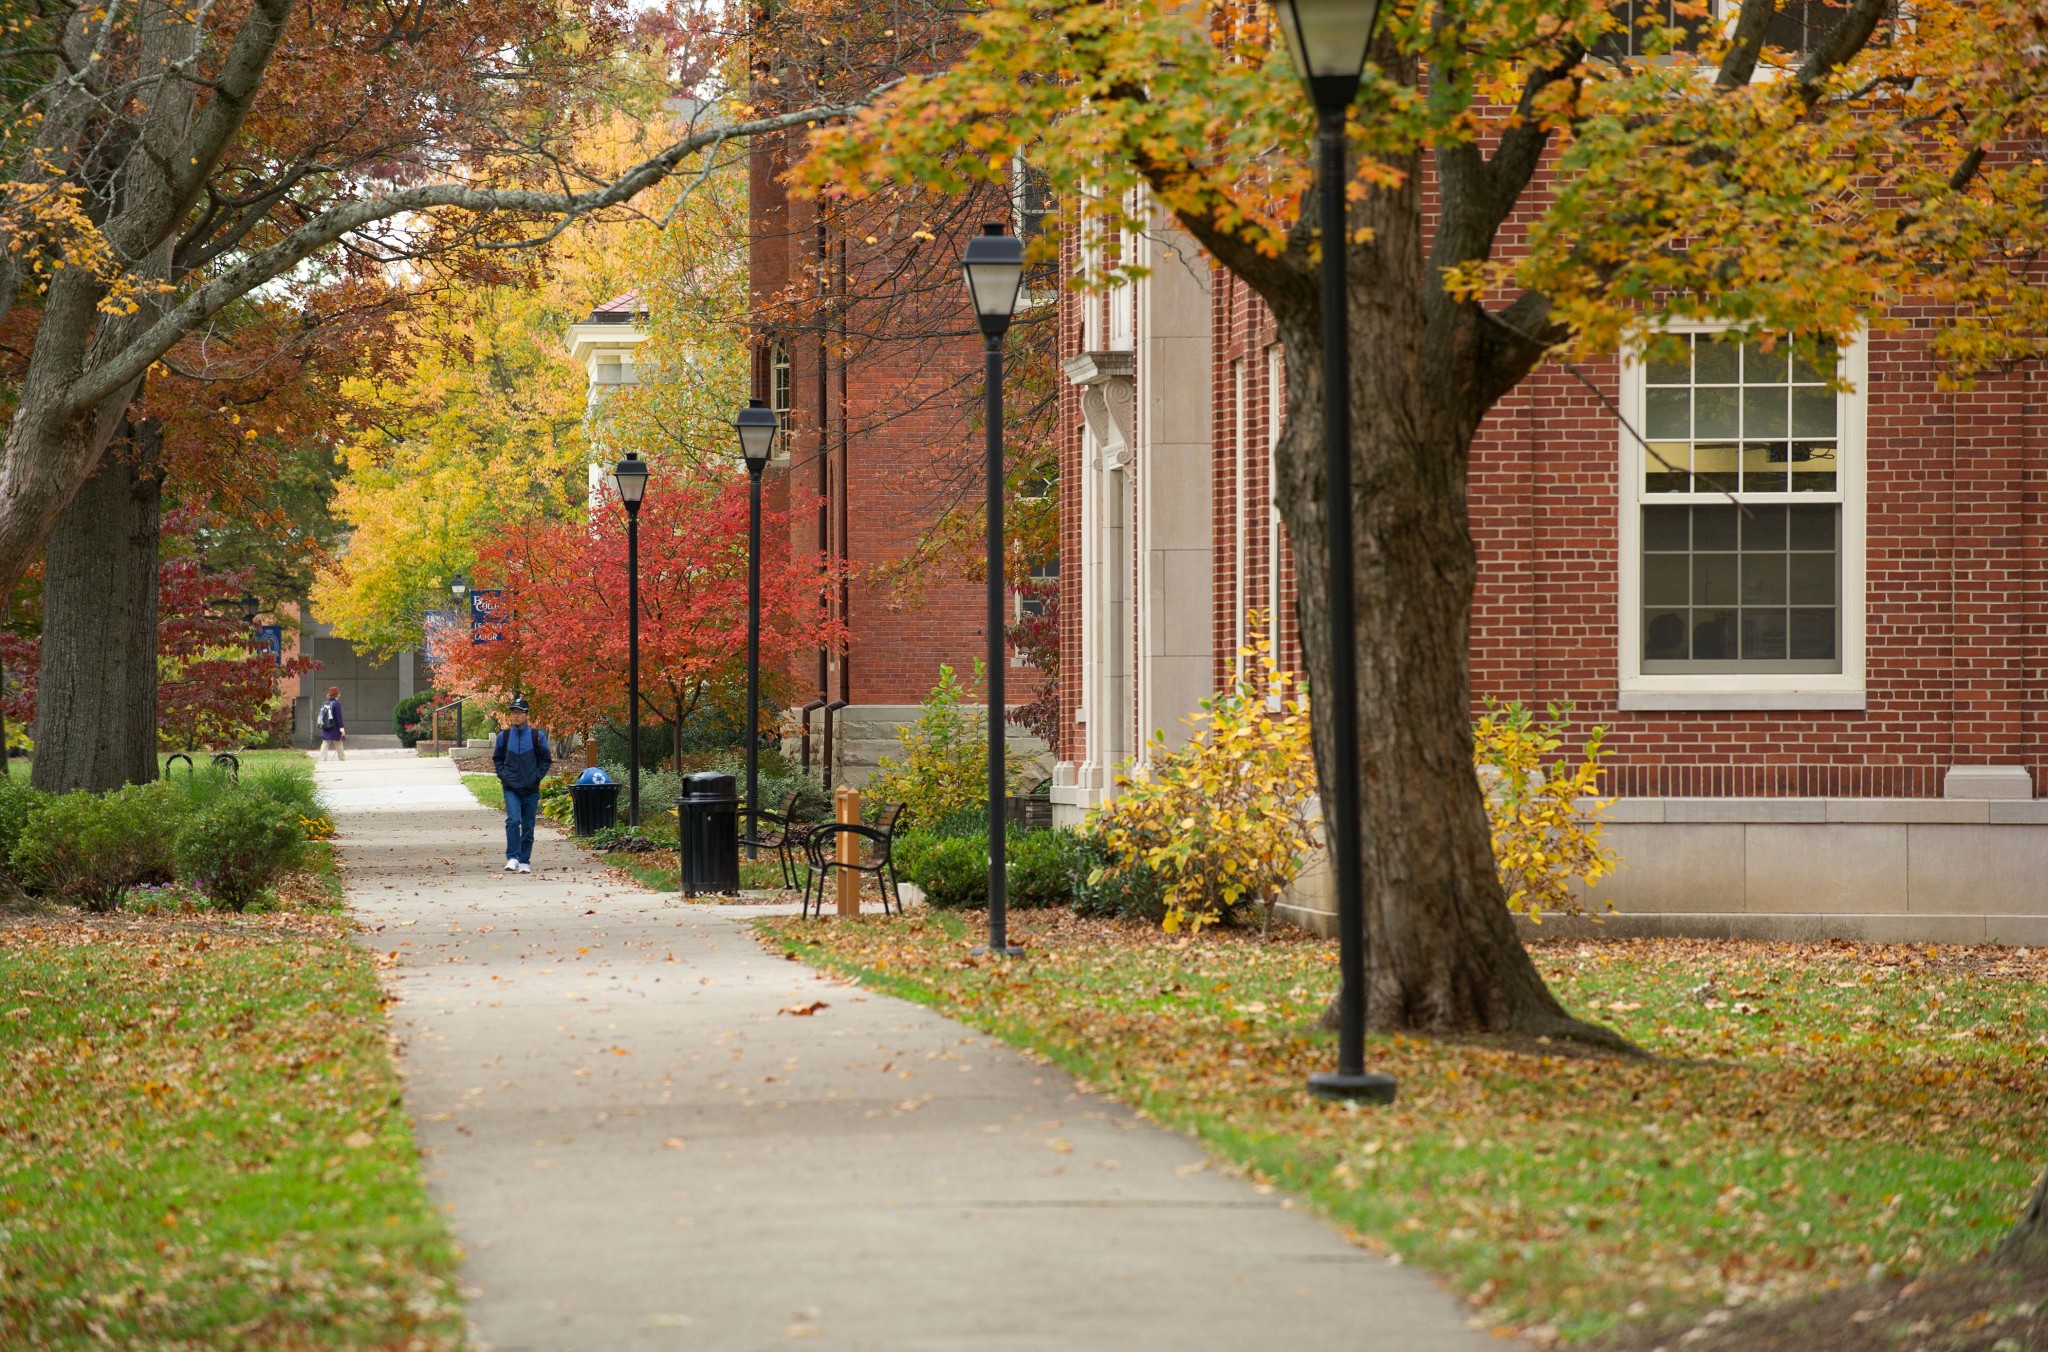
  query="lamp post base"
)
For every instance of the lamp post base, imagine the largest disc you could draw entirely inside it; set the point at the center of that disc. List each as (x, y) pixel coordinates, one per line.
(984, 951)
(1366, 1087)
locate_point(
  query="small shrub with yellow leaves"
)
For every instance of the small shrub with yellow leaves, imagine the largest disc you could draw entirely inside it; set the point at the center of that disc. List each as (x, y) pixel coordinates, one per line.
(1227, 819)
(1542, 838)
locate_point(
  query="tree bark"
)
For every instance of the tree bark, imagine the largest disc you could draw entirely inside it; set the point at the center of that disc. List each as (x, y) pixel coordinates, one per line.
(96, 697)
(2026, 1244)
(1444, 954)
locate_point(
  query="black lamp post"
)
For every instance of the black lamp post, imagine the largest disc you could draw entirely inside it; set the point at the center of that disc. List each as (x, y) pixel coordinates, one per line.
(250, 605)
(757, 426)
(458, 587)
(1328, 41)
(629, 481)
(994, 268)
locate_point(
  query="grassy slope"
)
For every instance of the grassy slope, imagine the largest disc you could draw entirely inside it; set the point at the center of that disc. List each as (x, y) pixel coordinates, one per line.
(215, 1104)
(1822, 1113)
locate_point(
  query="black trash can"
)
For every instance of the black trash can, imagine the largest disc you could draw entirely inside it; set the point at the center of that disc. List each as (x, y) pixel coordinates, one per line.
(708, 827)
(596, 806)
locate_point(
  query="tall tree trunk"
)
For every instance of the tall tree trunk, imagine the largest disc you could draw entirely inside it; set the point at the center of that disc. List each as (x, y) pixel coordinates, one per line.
(96, 696)
(2026, 1244)
(1444, 953)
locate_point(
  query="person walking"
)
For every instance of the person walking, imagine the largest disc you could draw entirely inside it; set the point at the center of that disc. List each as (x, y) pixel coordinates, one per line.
(332, 735)
(521, 757)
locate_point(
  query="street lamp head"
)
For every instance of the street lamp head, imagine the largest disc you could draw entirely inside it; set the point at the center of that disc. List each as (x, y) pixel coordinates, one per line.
(757, 426)
(629, 481)
(458, 587)
(1327, 41)
(250, 605)
(994, 268)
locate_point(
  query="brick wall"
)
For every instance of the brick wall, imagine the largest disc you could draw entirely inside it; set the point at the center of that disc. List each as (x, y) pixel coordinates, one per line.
(1957, 543)
(884, 429)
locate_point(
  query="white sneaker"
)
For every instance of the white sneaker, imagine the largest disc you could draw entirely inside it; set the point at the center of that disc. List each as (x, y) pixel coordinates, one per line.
(526, 868)
(511, 866)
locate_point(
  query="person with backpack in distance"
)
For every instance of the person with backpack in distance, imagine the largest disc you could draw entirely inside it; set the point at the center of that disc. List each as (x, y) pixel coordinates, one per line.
(329, 721)
(521, 757)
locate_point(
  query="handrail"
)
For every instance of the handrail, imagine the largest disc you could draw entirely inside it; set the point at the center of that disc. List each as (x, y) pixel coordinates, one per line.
(830, 709)
(806, 711)
(434, 720)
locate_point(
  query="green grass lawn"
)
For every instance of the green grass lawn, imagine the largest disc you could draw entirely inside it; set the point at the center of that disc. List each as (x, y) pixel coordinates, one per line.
(1816, 1114)
(488, 791)
(203, 1143)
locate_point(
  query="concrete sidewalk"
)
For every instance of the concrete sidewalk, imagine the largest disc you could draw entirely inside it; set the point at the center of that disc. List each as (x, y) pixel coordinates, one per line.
(642, 1148)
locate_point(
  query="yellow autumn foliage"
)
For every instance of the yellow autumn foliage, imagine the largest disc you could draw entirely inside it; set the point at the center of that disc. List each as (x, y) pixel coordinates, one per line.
(1543, 838)
(1229, 817)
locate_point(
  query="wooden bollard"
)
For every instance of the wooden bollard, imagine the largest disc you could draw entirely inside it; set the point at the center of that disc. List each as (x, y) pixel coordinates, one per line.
(846, 808)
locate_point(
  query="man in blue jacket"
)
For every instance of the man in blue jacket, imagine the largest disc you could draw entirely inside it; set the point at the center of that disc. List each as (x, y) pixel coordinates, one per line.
(521, 757)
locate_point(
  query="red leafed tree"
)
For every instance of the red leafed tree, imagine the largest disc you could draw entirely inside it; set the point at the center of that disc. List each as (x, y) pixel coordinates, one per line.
(561, 639)
(216, 686)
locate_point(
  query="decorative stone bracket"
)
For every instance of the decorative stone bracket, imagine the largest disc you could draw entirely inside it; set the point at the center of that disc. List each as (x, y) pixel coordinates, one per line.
(1109, 401)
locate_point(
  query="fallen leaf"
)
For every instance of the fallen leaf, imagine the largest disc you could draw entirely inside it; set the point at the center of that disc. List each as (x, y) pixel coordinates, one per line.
(803, 1011)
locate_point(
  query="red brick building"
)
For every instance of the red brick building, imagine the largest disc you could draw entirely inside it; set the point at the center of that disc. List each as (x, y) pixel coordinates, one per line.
(867, 349)
(1825, 705)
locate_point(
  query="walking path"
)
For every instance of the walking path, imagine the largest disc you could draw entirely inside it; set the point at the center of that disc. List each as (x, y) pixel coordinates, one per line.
(641, 1150)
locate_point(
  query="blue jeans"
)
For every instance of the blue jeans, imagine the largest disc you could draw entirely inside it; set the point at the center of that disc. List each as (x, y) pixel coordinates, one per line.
(521, 807)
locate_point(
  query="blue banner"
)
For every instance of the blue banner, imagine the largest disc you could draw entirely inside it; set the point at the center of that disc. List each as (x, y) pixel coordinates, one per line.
(487, 615)
(270, 637)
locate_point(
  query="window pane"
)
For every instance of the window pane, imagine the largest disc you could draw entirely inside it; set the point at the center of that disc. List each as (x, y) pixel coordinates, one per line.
(1713, 635)
(1664, 580)
(1813, 635)
(1666, 414)
(1763, 411)
(1763, 580)
(1813, 412)
(1665, 528)
(1812, 368)
(1763, 528)
(1763, 635)
(1813, 467)
(1677, 371)
(1763, 466)
(1713, 527)
(1664, 468)
(1713, 579)
(1813, 527)
(1716, 362)
(1715, 412)
(1716, 463)
(1759, 366)
(1813, 579)
(1664, 635)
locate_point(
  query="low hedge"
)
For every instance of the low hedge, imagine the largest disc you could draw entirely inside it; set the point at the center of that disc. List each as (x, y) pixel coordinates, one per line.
(229, 840)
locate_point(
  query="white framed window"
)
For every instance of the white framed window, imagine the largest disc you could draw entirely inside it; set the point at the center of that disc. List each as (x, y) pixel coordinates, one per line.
(1797, 25)
(1242, 515)
(780, 378)
(1742, 526)
(1276, 530)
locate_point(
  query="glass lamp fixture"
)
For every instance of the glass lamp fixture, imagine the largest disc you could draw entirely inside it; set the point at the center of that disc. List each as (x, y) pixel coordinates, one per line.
(993, 265)
(1328, 40)
(757, 426)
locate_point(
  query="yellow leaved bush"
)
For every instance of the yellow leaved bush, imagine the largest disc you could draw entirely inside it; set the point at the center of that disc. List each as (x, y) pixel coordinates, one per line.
(1229, 817)
(1544, 808)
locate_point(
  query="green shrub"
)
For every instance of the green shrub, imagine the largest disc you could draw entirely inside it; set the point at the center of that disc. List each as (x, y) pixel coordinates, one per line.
(1130, 892)
(407, 713)
(288, 785)
(1044, 868)
(952, 872)
(91, 849)
(944, 766)
(18, 802)
(237, 847)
